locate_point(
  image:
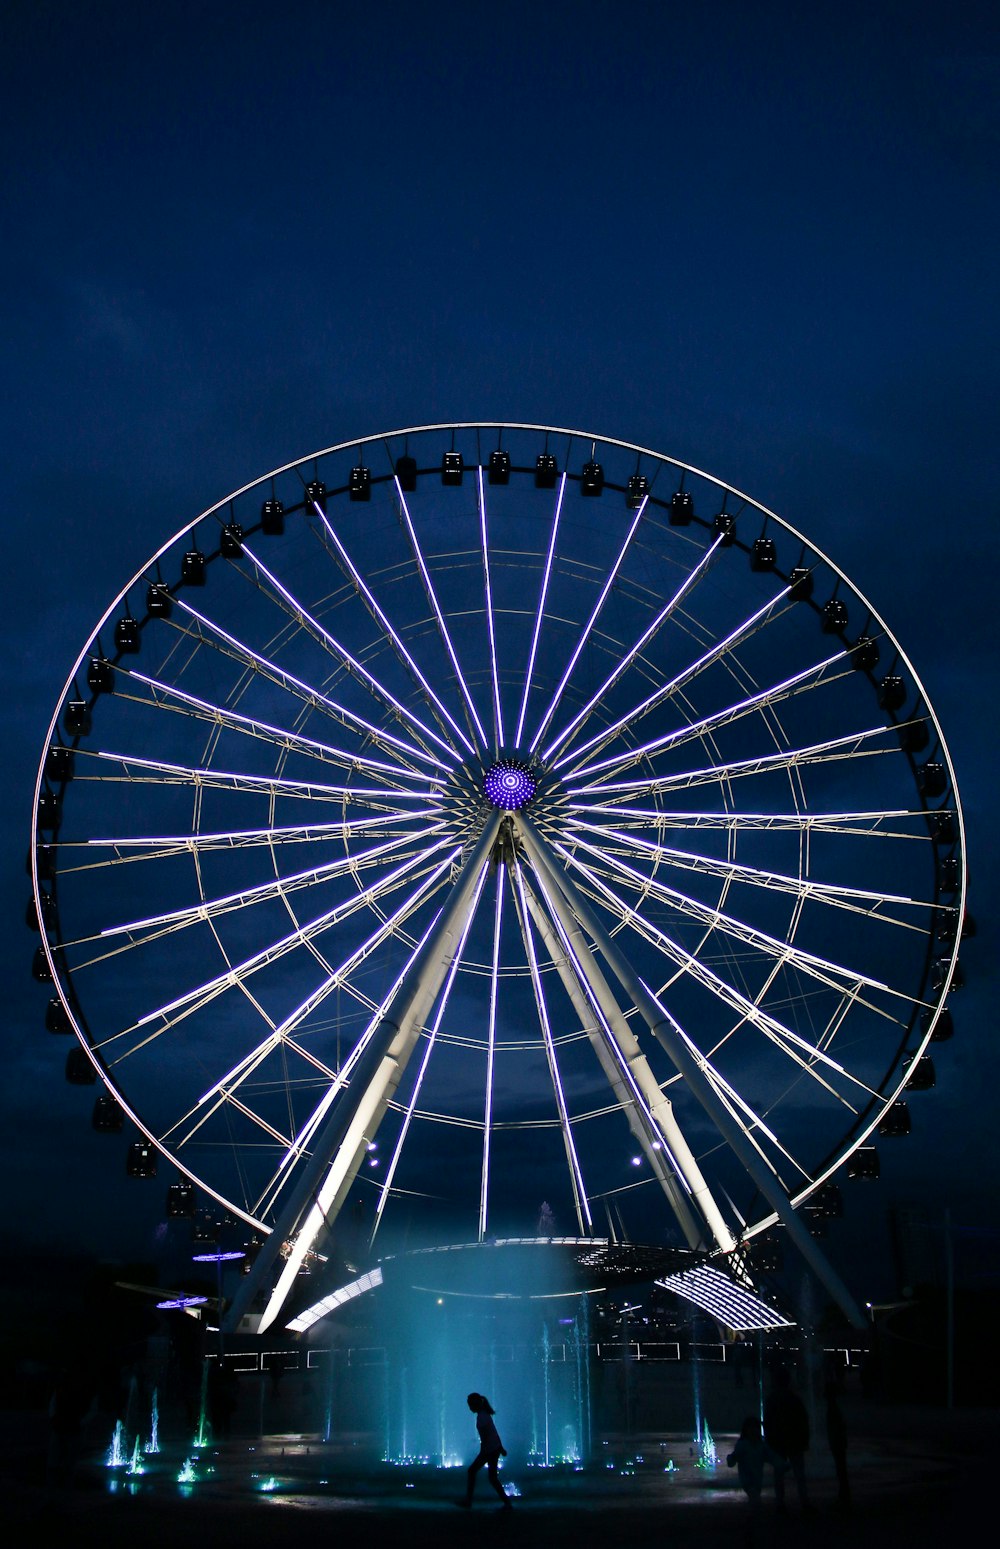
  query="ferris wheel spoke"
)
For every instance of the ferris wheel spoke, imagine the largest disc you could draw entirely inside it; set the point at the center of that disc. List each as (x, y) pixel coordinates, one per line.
(211, 1100)
(540, 613)
(864, 901)
(800, 1050)
(834, 976)
(743, 631)
(204, 1110)
(151, 847)
(295, 609)
(298, 1148)
(387, 927)
(158, 925)
(491, 1030)
(301, 693)
(161, 772)
(443, 630)
(834, 750)
(443, 715)
(809, 680)
(161, 695)
(690, 581)
(192, 1000)
(491, 631)
(386, 1188)
(581, 1203)
(585, 635)
(746, 1116)
(860, 824)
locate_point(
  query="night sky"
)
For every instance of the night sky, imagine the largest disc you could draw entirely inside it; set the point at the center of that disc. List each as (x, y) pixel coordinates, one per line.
(761, 239)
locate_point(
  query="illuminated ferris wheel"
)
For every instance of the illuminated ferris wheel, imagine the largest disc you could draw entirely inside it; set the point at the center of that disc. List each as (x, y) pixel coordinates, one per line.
(476, 816)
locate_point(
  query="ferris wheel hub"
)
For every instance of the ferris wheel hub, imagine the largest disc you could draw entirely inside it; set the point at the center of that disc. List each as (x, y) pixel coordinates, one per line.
(509, 784)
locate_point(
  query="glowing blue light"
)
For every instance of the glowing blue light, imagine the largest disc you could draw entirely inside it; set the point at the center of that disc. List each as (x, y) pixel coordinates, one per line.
(509, 785)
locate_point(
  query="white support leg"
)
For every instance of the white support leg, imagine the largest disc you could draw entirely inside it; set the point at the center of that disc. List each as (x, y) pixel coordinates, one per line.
(340, 1145)
(604, 1035)
(667, 1034)
(660, 1106)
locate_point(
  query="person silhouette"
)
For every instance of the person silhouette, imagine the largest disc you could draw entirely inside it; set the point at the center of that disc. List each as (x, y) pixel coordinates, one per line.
(491, 1450)
(748, 1458)
(786, 1429)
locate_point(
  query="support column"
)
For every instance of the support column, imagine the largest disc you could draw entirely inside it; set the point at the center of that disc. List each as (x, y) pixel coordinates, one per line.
(668, 1035)
(660, 1104)
(340, 1144)
(602, 1040)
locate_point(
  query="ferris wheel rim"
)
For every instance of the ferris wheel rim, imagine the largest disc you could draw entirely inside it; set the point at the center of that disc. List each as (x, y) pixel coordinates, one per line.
(295, 466)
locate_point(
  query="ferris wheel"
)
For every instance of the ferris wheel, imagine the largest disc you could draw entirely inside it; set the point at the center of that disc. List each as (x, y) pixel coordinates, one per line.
(480, 816)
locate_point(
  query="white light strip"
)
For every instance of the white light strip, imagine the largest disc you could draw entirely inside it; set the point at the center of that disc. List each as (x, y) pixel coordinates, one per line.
(294, 938)
(275, 887)
(383, 619)
(237, 838)
(347, 1069)
(186, 774)
(351, 662)
(313, 696)
(497, 707)
(741, 632)
(435, 605)
(809, 679)
(748, 1010)
(820, 968)
(316, 996)
(626, 661)
(540, 614)
(346, 1293)
(609, 582)
(805, 887)
(732, 1305)
(833, 749)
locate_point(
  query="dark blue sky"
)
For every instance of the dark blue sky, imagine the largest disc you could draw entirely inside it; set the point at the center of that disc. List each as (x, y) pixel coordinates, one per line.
(759, 238)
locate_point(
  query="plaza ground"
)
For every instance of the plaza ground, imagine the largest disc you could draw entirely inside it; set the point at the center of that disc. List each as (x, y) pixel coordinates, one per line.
(917, 1476)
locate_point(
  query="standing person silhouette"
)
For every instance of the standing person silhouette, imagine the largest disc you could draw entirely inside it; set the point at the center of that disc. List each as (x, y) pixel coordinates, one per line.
(749, 1456)
(786, 1429)
(491, 1450)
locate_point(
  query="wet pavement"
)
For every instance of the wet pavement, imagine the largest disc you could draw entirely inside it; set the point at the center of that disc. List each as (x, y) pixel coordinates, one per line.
(915, 1475)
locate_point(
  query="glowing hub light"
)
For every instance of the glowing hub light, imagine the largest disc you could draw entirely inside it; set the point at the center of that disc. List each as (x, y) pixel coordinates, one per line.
(509, 785)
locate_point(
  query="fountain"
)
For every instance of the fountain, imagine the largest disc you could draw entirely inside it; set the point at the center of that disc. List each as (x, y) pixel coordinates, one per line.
(203, 1434)
(153, 1444)
(116, 1457)
(487, 1320)
(705, 1448)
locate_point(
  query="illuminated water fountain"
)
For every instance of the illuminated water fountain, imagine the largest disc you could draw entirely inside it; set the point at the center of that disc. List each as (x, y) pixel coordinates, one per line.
(153, 1444)
(117, 1456)
(705, 1447)
(494, 1324)
(202, 1436)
